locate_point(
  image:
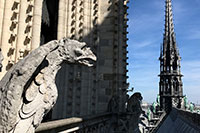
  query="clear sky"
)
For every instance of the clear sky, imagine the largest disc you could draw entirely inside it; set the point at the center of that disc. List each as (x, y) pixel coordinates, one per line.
(146, 28)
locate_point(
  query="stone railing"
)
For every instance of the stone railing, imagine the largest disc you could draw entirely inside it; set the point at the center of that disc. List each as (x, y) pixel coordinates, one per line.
(92, 124)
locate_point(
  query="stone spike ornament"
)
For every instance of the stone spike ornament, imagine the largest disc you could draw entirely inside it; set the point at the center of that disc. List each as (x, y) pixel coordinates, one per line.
(28, 90)
(171, 89)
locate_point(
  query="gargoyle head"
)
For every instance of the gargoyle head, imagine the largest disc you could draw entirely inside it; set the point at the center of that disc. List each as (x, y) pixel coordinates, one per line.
(138, 96)
(78, 52)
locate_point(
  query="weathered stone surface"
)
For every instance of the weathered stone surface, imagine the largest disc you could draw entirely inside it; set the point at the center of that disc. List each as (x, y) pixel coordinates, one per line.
(23, 99)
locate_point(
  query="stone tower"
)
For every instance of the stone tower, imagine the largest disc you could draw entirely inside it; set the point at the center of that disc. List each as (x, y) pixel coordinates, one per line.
(170, 86)
(102, 25)
(25, 25)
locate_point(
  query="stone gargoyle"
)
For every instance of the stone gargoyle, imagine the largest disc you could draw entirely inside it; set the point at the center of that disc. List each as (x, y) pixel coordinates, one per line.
(28, 90)
(135, 110)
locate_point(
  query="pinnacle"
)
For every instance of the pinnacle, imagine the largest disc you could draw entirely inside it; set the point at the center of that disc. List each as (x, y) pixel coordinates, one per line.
(169, 26)
(169, 54)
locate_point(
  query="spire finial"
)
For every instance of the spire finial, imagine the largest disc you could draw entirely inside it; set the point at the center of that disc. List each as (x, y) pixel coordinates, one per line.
(169, 26)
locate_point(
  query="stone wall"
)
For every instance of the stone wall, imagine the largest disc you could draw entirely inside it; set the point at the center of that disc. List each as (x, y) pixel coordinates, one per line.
(19, 29)
(102, 25)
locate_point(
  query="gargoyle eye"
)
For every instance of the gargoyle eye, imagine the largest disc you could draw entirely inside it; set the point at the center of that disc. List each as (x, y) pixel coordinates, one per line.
(84, 47)
(78, 52)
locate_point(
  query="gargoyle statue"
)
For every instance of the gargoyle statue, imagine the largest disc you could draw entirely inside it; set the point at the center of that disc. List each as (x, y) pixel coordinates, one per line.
(28, 90)
(134, 108)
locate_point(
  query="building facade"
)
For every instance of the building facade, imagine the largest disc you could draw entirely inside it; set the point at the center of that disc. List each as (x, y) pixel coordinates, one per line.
(171, 86)
(26, 25)
(19, 29)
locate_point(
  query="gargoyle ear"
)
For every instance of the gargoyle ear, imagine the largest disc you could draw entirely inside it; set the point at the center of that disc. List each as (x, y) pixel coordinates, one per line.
(83, 44)
(65, 39)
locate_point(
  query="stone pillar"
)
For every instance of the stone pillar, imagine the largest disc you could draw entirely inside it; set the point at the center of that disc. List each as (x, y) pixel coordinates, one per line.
(2, 3)
(37, 15)
(21, 29)
(62, 18)
(8, 32)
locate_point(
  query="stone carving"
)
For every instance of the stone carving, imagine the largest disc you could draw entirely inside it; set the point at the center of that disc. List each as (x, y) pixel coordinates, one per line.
(28, 90)
(113, 105)
(134, 109)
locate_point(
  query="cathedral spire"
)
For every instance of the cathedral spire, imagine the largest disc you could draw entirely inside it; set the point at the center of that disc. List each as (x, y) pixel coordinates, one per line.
(169, 49)
(170, 73)
(169, 39)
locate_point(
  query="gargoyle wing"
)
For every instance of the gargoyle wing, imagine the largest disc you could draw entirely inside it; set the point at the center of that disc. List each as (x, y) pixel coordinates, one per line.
(21, 94)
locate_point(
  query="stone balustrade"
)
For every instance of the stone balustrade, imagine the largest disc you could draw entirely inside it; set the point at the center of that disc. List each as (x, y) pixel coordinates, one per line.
(91, 124)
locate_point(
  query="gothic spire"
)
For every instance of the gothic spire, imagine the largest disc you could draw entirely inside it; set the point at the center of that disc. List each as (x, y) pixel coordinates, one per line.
(169, 48)
(170, 86)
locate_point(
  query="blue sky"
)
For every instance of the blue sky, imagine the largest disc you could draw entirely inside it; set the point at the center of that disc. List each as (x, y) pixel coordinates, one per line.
(146, 28)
